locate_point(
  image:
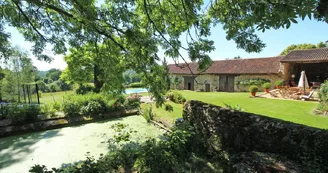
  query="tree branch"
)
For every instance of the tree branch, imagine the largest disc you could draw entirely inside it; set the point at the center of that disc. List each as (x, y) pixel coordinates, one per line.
(28, 20)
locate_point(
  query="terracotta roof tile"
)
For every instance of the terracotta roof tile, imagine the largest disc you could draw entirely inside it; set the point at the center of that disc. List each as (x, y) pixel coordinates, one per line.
(310, 55)
(269, 65)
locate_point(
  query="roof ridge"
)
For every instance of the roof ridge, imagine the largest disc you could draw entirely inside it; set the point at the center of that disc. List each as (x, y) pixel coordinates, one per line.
(307, 49)
(270, 57)
(251, 58)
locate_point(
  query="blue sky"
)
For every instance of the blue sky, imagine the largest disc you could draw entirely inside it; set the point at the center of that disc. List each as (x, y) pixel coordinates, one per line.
(307, 31)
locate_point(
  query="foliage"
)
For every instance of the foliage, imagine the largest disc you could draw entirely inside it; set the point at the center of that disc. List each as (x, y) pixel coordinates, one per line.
(302, 47)
(91, 104)
(136, 85)
(53, 87)
(255, 81)
(253, 88)
(132, 101)
(266, 85)
(242, 18)
(278, 83)
(175, 97)
(71, 108)
(168, 107)
(93, 108)
(176, 81)
(20, 113)
(131, 76)
(19, 70)
(323, 96)
(236, 108)
(84, 89)
(147, 113)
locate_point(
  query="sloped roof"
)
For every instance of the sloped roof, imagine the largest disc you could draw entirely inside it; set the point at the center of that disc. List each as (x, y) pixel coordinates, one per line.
(270, 65)
(307, 56)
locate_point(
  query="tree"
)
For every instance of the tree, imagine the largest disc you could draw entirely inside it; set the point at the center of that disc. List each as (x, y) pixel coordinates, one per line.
(2, 76)
(20, 71)
(138, 28)
(302, 47)
(53, 74)
(85, 64)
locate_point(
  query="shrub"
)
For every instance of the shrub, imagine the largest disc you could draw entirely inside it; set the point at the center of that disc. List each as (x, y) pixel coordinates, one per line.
(84, 89)
(323, 96)
(40, 94)
(266, 85)
(278, 83)
(176, 97)
(168, 107)
(93, 108)
(253, 88)
(71, 108)
(236, 108)
(53, 87)
(257, 81)
(132, 101)
(56, 106)
(136, 85)
(148, 114)
(91, 103)
(23, 113)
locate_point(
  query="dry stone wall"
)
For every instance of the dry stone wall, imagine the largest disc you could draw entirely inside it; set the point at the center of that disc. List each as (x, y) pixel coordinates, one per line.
(238, 132)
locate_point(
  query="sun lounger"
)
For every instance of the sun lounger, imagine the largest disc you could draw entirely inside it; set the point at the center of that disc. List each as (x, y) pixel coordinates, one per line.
(306, 97)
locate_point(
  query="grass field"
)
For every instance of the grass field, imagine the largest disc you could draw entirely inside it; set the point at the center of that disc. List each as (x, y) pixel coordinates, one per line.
(52, 97)
(300, 112)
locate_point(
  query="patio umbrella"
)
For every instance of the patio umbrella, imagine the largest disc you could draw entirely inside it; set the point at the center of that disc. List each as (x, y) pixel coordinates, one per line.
(303, 82)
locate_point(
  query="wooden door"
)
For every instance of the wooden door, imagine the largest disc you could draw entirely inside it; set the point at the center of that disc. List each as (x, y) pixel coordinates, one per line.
(207, 87)
(231, 83)
(227, 83)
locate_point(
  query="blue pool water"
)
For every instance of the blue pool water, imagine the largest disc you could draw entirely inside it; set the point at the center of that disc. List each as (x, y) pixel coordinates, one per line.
(136, 90)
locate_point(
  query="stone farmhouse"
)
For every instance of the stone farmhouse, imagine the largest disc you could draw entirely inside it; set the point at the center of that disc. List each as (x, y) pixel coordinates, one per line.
(225, 75)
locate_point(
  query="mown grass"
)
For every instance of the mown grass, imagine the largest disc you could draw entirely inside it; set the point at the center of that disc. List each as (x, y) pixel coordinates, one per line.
(300, 112)
(53, 97)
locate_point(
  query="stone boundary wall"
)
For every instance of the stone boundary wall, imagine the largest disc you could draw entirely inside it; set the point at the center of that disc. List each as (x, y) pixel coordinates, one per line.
(237, 132)
(59, 122)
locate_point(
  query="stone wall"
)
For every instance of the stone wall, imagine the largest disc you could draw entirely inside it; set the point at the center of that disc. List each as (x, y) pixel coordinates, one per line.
(244, 88)
(181, 85)
(238, 132)
(200, 81)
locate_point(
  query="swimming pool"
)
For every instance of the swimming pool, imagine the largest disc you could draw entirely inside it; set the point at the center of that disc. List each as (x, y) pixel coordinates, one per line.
(136, 90)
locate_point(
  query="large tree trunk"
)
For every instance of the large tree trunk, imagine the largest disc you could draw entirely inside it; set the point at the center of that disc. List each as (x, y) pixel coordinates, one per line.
(97, 82)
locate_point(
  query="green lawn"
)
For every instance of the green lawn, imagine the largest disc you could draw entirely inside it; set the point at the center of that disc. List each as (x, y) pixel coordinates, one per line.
(54, 96)
(300, 112)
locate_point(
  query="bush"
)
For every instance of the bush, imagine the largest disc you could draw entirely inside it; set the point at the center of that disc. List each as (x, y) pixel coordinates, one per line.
(168, 107)
(93, 108)
(266, 85)
(84, 89)
(136, 85)
(53, 87)
(23, 113)
(176, 97)
(253, 88)
(323, 96)
(278, 83)
(148, 114)
(91, 104)
(71, 108)
(132, 101)
(258, 81)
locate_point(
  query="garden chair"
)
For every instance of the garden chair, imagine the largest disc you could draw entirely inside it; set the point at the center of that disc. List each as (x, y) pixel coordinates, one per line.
(307, 97)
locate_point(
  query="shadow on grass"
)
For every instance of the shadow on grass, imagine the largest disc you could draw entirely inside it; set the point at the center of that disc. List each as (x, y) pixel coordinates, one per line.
(11, 146)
